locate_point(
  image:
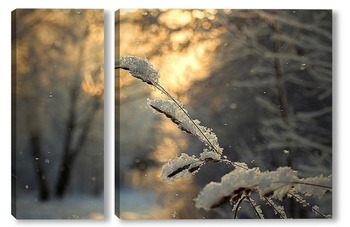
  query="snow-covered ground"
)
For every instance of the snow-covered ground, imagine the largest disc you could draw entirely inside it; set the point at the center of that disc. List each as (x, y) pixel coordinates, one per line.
(137, 204)
(71, 207)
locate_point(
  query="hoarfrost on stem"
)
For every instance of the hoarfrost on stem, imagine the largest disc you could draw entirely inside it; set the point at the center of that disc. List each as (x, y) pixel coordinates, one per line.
(182, 166)
(180, 117)
(209, 155)
(209, 196)
(140, 68)
(273, 184)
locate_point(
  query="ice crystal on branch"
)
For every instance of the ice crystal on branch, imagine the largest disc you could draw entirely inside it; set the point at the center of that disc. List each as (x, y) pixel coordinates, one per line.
(213, 196)
(186, 166)
(140, 68)
(271, 184)
(182, 166)
(174, 110)
(208, 155)
(307, 185)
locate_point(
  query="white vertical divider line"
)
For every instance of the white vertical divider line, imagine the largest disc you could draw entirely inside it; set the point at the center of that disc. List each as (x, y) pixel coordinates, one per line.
(109, 114)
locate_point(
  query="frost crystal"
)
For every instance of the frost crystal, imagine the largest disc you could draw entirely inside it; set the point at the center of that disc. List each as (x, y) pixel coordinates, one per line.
(209, 155)
(140, 68)
(179, 115)
(182, 166)
(209, 196)
(307, 186)
(170, 109)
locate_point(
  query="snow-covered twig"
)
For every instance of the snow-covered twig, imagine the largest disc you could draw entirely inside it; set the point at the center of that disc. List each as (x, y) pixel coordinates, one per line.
(276, 184)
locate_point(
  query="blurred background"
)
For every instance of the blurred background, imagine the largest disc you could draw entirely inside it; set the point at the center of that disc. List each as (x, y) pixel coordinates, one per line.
(57, 113)
(261, 79)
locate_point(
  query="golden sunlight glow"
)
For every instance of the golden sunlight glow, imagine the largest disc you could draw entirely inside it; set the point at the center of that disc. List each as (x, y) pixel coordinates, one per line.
(173, 141)
(184, 55)
(91, 87)
(175, 19)
(179, 70)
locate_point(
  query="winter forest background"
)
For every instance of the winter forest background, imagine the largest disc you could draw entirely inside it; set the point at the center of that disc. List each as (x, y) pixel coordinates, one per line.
(262, 79)
(57, 85)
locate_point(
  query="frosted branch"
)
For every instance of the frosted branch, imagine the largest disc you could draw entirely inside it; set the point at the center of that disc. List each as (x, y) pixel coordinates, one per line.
(140, 68)
(182, 166)
(270, 184)
(180, 117)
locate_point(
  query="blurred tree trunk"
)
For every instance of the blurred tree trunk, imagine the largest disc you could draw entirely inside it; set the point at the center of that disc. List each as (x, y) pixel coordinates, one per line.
(39, 170)
(64, 176)
(67, 159)
(77, 131)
